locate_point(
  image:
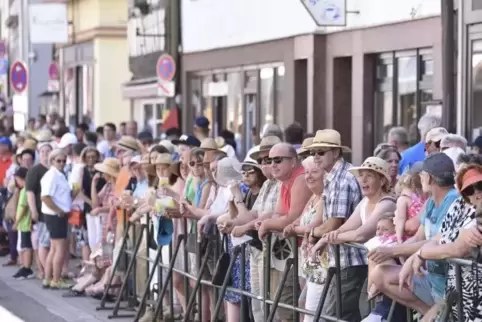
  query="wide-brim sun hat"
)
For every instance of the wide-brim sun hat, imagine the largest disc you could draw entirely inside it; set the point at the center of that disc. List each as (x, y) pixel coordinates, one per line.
(110, 166)
(304, 146)
(228, 172)
(266, 144)
(328, 139)
(44, 136)
(249, 162)
(209, 144)
(375, 164)
(163, 158)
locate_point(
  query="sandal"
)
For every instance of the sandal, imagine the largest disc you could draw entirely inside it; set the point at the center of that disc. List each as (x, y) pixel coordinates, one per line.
(73, 293)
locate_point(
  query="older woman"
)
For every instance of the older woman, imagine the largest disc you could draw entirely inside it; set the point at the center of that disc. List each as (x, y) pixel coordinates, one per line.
(56, 199)
(458, 236)
(391, 155)
(312, 217)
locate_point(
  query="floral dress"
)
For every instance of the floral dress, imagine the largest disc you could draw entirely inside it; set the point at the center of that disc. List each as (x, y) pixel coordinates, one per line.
(313, 269)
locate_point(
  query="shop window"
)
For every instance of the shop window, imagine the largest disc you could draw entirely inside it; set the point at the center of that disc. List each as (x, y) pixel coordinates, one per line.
(475, 119)
(403, 87)
(476, 4)
(251, 106)
(149, 120)
(234, 109)
(280, 77)
(267, 96)
(147, 34)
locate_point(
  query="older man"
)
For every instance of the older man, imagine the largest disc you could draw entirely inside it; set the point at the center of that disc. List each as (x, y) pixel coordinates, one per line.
(294, 194)
(453, 141)
(398, 136)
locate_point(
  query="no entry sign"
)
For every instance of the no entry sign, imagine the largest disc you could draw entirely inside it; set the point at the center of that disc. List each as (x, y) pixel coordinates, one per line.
(18, 76)
(166, 68)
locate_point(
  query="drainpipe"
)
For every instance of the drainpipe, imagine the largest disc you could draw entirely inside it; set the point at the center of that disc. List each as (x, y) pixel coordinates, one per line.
(449, 115)
(461, 88)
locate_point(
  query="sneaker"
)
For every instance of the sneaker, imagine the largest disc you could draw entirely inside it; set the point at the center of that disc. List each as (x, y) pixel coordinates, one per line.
(60, 285)
(24, 273)
(46, 283)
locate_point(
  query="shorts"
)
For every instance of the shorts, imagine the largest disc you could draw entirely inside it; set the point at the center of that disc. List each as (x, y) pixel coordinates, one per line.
(422, 288)
(26, 240)
(80, 234)
(57, 226)
(194, 270)
(40, 236)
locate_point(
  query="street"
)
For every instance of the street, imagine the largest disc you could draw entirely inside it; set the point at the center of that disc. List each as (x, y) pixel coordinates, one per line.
(26, 301)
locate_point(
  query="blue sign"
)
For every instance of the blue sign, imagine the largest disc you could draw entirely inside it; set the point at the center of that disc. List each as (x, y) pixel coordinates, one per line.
(166, 68)
(18, 76)
(3, 66)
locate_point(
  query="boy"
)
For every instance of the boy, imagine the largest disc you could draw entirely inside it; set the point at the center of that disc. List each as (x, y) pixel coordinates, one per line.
(23, 223)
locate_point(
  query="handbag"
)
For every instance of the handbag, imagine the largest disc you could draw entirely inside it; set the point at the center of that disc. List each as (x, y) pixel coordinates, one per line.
(11, 206)
(76, 217)
(222, 265)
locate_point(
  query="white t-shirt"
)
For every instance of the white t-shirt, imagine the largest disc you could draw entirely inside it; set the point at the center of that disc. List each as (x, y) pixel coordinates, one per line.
(76, 178)
(220, 204)
(55, 185)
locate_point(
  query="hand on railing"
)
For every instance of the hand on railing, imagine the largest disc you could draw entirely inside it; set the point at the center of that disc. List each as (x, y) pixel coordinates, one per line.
(381, 254)
(332, 237)
(289, 231)
(225, 224)
(239, 231)
(470, 237)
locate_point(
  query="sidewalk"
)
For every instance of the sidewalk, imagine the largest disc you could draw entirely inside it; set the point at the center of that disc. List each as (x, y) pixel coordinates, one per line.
(66, 309)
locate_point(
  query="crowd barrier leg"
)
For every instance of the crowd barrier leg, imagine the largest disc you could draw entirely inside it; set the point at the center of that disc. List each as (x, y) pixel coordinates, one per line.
(339, 307)
(162, 291)
(132, 263)
(114, 269)
(267, 276)
(329, 277)
(289, 264)
(244, 301)
(224, 287)
(147, 290)
(192, 297)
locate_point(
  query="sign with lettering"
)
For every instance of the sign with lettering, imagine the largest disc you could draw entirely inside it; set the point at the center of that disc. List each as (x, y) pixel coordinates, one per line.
(327, 12)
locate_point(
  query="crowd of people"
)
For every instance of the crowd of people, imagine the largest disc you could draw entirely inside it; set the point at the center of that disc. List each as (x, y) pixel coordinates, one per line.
(412, 207)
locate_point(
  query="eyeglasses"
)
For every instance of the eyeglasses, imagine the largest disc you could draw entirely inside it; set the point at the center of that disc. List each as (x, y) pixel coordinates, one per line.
(470, 190)
(318, 153)
(262, 160)
(192, 164)
(61, 161)
(276, 160)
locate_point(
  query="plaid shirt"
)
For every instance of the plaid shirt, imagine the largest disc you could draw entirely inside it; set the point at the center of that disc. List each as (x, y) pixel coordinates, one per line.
(341, 195)
(267, 197)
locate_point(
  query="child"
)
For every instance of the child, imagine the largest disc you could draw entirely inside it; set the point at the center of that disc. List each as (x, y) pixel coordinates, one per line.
(408, 204)
(23, 223)
(385, 236)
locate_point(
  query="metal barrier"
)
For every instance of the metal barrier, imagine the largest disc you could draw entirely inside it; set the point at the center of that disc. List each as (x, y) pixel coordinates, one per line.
(136, 303)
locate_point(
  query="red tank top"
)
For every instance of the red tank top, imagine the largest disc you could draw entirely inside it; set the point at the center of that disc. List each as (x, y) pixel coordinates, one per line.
(285, 191)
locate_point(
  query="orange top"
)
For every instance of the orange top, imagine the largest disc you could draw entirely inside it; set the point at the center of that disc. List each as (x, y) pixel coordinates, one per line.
(5, 163)
(285, 191)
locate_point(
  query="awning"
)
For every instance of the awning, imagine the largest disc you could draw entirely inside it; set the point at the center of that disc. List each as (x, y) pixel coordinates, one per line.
(140, 88)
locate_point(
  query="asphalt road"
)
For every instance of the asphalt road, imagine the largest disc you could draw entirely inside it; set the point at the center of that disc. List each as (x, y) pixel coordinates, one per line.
(26, 301)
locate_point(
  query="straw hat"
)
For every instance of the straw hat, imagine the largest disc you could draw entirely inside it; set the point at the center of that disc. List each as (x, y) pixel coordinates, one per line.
(266, 144)
(229, 171)
(30, 144)
(328, 138)
(209, 144)
(304, 147)
(110, 166)
(374, 164)
(163, 158)
(44, 136)
(128, 143)
(248, 162)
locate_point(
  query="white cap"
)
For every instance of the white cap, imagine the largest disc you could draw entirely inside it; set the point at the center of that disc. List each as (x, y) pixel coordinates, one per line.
(67, 139)
(136, 159)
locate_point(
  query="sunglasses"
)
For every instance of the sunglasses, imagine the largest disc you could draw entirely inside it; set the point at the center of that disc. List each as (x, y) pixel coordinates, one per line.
(262, 160)
(470, 190)
(276, 160)
(192, 164)
(61, 161)
(248, 171)
(318, 153)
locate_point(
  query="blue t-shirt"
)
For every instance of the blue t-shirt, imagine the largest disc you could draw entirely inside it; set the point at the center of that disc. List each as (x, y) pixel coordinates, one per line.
(432, 219)
(410, 156)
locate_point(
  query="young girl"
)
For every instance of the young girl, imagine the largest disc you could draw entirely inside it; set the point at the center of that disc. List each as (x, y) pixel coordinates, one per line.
(409, 203)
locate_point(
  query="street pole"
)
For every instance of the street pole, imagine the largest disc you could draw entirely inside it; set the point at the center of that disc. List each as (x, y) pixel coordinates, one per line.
(25, 47)
(174, 49)
(449, 115)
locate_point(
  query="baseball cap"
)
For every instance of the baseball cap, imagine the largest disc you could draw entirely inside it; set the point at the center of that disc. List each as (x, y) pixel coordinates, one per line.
(202, 122)
(436, 134)
(477, 142)
(145, 136)
(187, 139)
(6, 141)
(440, 166)
(67, 139)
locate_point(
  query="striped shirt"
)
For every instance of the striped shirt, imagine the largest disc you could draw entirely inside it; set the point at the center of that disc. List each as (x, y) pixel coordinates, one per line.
(267, 197)
(341, 195)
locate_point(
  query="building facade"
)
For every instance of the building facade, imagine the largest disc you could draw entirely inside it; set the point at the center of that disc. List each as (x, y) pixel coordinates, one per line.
(95, 62)
(247, 63)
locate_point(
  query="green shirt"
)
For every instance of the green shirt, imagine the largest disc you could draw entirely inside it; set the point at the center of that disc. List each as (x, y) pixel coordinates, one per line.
(25, 223)
(189, 190)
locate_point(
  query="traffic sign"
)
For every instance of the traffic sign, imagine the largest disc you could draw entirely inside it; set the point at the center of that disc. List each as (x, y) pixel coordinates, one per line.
(54, 71)
(166, 68)
(166, 89)
(19, 76)
(327, 12)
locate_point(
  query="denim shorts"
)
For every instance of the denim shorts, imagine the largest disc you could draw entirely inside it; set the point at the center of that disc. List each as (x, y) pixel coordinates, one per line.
(40, 236)
(423, 289)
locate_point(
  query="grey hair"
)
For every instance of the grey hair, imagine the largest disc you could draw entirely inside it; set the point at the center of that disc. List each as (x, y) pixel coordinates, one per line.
(55, 153)
(454, 140)
(272, 130)
(398, 134)
(428, 122)
(308, 161)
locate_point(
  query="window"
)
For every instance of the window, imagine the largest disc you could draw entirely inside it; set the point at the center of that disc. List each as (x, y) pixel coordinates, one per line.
(403, 87)
(146, 34)
(267, 96)
(475, 119)
(476, 4)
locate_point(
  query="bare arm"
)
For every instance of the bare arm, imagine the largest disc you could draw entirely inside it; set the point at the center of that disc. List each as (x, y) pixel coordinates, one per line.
(369, 228)
(401, 216)
(32, 204)
(204, 195)
(411, 246)
(353, 222)
(50, 203)
(300, 194)
(432, 250)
